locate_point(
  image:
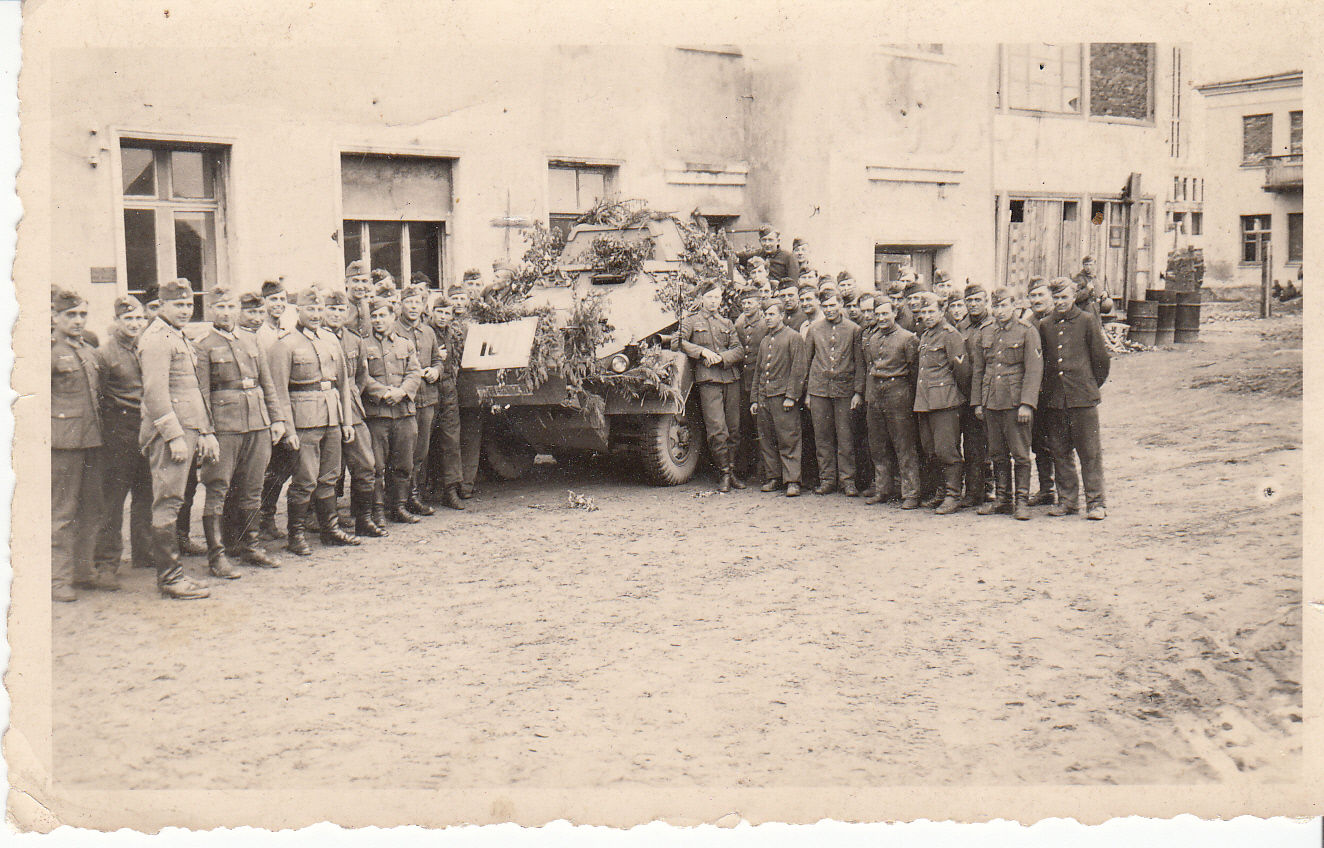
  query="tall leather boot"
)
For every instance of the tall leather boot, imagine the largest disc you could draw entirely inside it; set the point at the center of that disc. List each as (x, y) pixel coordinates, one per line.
(379, 513)
(396, 510)
(451, 497)
(171, 581)
(1022, 509)
(187, 547)
(247, 550)
(416, 506)
(736, 482)
(360, 505)
(976, 480)
(952, 482)
(295, 542)
(329, 523)
(1001, 502)
(268, 529)
(217, 562)
(724, 483)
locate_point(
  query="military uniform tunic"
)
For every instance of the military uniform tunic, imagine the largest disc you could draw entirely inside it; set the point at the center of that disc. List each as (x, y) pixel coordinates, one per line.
(944, 371)
(172, 408)
(1076, 364)
(890, 358)
(719, 387)
(76, 500)
(358, 454)
(126, 473)
(425, 402)
(391, 362)
(836, 374)
(782, 368)
(1008, 368)
(313, 389)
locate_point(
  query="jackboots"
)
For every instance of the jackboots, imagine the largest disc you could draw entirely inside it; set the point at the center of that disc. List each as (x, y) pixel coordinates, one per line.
(1001, 503)
(217, 562)
(951, 476)
(296, 543)
(976, 481)
(170, 578)
(364, 525)
(246, 548)
(329, 522)
(1022, 511)
(396, 511)
(379, 514)
(416, 506)
(450, 498)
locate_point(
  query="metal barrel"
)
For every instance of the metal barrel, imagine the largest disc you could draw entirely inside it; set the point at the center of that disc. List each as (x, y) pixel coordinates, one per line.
(1167, 315)
(1142, 315)
(1187, 326)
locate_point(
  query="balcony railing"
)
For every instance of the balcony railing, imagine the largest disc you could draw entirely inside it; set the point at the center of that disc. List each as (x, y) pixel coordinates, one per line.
(1284, 173)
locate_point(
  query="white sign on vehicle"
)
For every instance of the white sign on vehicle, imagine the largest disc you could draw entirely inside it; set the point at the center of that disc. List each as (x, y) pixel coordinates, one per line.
(494, 346)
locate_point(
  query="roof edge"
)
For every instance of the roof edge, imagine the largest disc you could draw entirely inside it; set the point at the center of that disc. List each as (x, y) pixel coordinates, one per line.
(1285, 79)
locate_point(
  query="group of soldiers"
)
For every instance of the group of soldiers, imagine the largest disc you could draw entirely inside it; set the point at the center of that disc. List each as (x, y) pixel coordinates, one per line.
(308, 388)
(916, 394)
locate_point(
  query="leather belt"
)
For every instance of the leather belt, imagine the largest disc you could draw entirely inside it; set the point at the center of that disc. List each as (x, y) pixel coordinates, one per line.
(234, 386)
(322, 386)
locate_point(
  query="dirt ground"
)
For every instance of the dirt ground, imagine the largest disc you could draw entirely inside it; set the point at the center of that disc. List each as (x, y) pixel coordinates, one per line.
(681, 637)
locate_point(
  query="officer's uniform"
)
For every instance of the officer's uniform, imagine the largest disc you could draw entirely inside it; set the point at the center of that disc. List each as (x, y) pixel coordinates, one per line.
(172, 408)
(425, 402)
(719, 386)
(751, 333)
(447, 471)
(1076, 364)
(308, 368)
(781, 370)
(1007, 366)
(391, 362)
(974, 435)
(125, 469)
(75, 462)
(944, 368)
(836, 373)
(359, 456)
(236, 381)
(891, 358)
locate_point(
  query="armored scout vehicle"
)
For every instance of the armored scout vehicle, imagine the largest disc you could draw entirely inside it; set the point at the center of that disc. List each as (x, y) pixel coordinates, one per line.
(659, 429)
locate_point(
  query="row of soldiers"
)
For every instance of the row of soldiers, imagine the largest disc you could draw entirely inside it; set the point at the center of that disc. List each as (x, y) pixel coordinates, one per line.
(925, 391)
(361, 384)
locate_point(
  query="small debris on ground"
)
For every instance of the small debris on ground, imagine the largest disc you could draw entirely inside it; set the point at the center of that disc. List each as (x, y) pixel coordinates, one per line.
(577, 501)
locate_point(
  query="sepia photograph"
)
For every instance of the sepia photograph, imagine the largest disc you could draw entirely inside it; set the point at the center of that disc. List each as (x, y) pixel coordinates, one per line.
(459, 418)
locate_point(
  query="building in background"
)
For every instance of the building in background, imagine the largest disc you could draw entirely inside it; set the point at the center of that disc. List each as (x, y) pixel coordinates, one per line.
(992, 162)
(1256, 177)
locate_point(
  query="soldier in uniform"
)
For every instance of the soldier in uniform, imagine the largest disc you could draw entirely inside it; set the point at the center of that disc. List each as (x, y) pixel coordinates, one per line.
(236, 383)
(358, 454)
(907, 309)
(176, 428)
(1007, 367)
(809, 305)
(835, 388)
(313, 386)
(711, 340)
(471, 410)
(781, 264)
(957, 314)
(1076, 364)
(943, 286)
(974, 436)
(412, 327)
(448, 471)
(124, 466)
(1041, 307)
(859, 420)
(751, 326)
(391, 380)
(75, 451)
(358, 285)
(944, 368)
(789, 296)
(284, 454)
(779, 383)
(891, 356)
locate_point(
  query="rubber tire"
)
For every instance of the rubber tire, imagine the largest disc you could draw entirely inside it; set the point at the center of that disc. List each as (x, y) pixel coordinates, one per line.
(504, 457)
(662, 466)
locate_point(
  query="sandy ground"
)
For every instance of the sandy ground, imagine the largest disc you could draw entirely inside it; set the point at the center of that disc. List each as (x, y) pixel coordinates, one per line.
(681, 637)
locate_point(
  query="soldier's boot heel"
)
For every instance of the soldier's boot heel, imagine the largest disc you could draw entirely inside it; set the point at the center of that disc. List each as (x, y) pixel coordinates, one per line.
(217, 562)
(400, 515)
(268, 529)
(361, 505)
(296, 542)
(416, 506)
(451, 498)
(170, 579)
(736, 482)
(724, 484)
(1021, 512)
(329, 523)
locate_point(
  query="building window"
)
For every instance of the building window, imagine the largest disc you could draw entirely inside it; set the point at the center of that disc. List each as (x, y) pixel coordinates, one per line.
(1295, 236)
(1175, 108)
(1197, 223)
(1042, 77)
(1256, 138)
(1254, 237)
(573, 190)
(1122, 81)
(402, 248)
(1296, 137)
(174, 207)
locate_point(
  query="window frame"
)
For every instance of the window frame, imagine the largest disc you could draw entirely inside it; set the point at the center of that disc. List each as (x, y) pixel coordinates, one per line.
(1296, 146)
(1268, 148)
(226, 148)
(1004, 76)
(610, 181)
(406, 261)
(1264, 236)
(1151, 90)
(1301, 238)
(1084, 111)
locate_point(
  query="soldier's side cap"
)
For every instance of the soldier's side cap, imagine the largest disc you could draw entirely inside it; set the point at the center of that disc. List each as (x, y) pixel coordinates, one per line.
(179, 289)
(974, 289)
(311, 296)
(913, 287)
(472, 274)
(356, 269)
(250, 300)
(811, 289)
(414, 291)
(223, 294)
(503, 266)
(797, 242)
(455, 290)
(1087, 259)
(704, 288)
(928, 298)
(749, 292)
(785, 283)
(127, 304)
(386, 290)
(151, 294)
(270, 287)
(1002, 296)
(1038, 283)
(941, 277)
(756, 262)
(336, 297)
(379, 303)
(766, 230)
(844, 275)
(1061, 284)
(62, 300)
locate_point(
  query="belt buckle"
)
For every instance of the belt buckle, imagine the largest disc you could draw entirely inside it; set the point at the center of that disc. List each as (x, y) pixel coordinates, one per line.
(247, 383)
(325, 385)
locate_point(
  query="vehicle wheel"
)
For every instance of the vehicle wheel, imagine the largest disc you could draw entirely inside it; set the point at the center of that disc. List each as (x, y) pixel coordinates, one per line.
(505, 456)
(669, 446)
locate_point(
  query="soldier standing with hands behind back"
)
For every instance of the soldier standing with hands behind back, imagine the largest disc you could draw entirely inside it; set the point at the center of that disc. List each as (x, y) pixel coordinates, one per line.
(709, 338)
